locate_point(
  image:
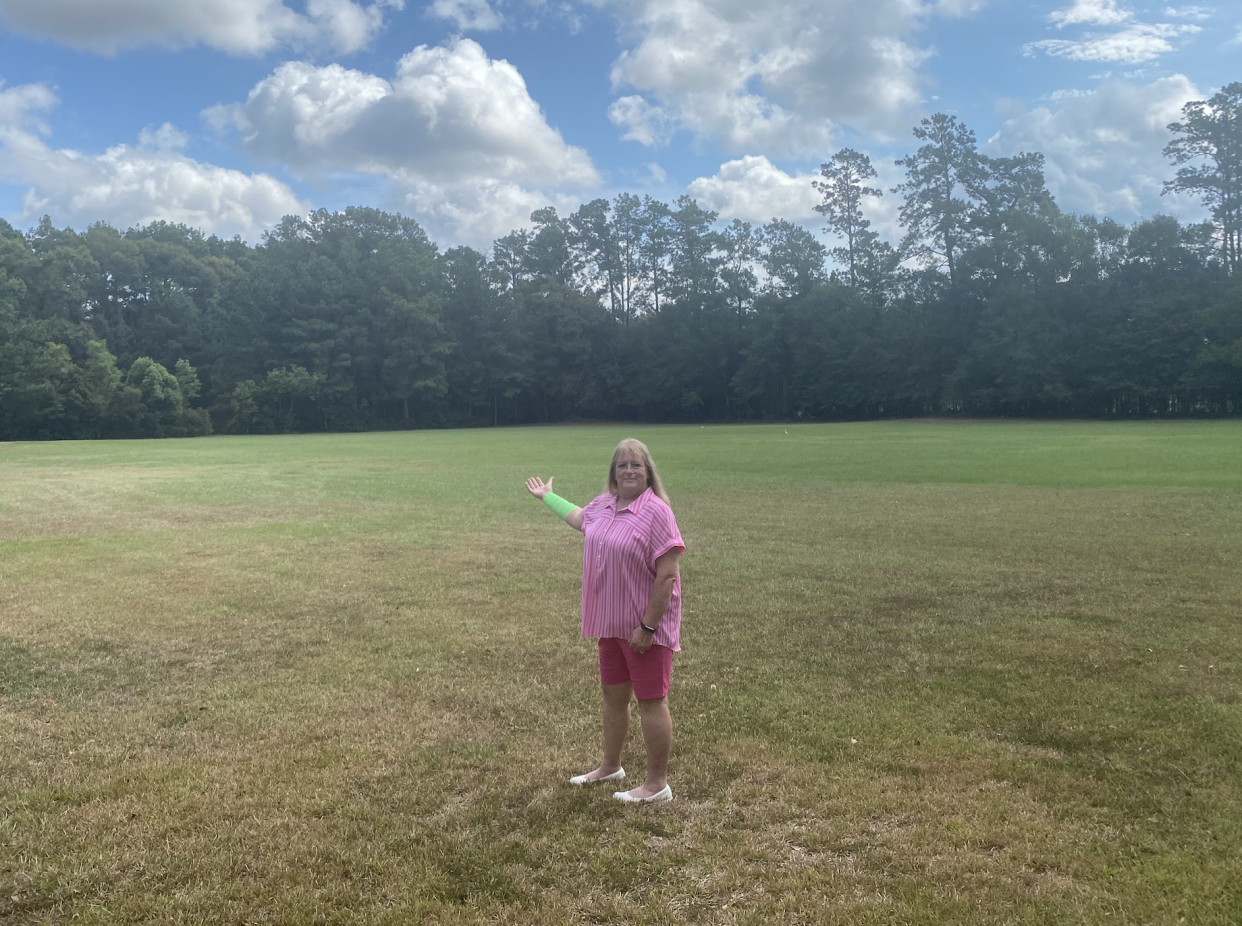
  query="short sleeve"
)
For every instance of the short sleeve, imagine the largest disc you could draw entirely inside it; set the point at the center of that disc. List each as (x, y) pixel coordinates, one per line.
(663, 533)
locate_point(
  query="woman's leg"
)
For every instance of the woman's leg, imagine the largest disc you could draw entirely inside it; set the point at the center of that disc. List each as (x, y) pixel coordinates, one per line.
(614, 677)
(616, 726)
(658, 737)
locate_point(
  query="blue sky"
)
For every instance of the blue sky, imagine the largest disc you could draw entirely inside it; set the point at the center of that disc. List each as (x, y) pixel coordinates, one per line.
(469, 114)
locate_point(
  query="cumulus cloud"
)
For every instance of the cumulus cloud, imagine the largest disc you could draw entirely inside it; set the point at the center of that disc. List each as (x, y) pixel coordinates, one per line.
(649, 125)
(474, 212)
(1103, 148)
(130, 185)
(754, 189)
(243, 27)
(452, 128)
(475, 15)
(18, 106)
(770, 77)
(450, 113)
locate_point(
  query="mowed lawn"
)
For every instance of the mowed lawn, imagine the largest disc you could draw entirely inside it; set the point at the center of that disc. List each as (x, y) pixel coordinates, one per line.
(933, 672)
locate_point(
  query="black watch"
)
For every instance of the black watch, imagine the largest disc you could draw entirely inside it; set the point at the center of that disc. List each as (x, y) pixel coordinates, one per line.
(646, 628)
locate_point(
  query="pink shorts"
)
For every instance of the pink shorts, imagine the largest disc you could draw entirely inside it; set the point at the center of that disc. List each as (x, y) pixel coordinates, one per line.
(649, 672)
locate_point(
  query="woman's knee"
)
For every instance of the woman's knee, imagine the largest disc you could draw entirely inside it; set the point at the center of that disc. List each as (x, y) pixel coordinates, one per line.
(653, 705)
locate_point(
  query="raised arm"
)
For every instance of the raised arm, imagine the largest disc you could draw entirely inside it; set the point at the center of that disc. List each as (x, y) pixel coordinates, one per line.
(571, 514)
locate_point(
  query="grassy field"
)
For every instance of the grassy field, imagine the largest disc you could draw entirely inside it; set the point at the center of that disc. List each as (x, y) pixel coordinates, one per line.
(932, 673)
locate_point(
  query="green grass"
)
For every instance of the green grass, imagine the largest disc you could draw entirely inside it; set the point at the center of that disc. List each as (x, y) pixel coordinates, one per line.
(932, 673)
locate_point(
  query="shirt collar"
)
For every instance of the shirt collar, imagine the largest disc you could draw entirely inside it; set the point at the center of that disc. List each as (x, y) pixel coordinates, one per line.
(636, 506)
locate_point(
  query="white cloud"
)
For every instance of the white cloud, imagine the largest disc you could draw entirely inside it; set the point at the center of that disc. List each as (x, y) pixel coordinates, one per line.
(345, 25)
(1198, 13)
(18, 104)
(451, 113)
(754, 189)
(771, 77)
(959, 7)
(467, 14)
(474, 212)
(244, 27)
(1103, 149)
(1057, 95)
(1092, 12)
(303, 115)
(451, 129)
(130, 185)
(165, 138)
(1135, 44)
(649, 125)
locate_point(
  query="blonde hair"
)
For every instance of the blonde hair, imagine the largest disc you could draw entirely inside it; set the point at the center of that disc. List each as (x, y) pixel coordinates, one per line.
(653, 476)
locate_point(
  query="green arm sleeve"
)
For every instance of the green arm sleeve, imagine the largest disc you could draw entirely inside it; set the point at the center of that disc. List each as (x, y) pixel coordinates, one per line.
(559, 505)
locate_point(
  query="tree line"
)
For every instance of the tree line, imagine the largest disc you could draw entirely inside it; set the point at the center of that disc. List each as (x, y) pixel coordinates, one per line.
(994, 303)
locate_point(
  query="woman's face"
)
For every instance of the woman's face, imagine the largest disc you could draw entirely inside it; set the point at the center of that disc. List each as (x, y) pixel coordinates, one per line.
(631, 474)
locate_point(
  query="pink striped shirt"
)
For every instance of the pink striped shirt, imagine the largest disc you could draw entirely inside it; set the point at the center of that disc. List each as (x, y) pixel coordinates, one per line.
(618, 566)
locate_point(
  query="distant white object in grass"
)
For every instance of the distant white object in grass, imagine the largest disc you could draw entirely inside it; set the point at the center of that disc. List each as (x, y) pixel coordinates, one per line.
(853, 741)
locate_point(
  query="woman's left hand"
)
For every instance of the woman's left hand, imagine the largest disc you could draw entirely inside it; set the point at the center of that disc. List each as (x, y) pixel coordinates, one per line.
(640, 640)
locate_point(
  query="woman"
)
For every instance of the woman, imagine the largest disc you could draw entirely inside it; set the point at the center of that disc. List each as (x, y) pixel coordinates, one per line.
(631, 601)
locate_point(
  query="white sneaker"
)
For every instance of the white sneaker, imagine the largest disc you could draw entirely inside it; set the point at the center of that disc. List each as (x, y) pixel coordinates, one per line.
(618, 775)
(660, 797)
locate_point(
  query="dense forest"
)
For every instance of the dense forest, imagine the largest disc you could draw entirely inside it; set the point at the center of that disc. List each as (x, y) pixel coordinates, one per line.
(995, 303)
